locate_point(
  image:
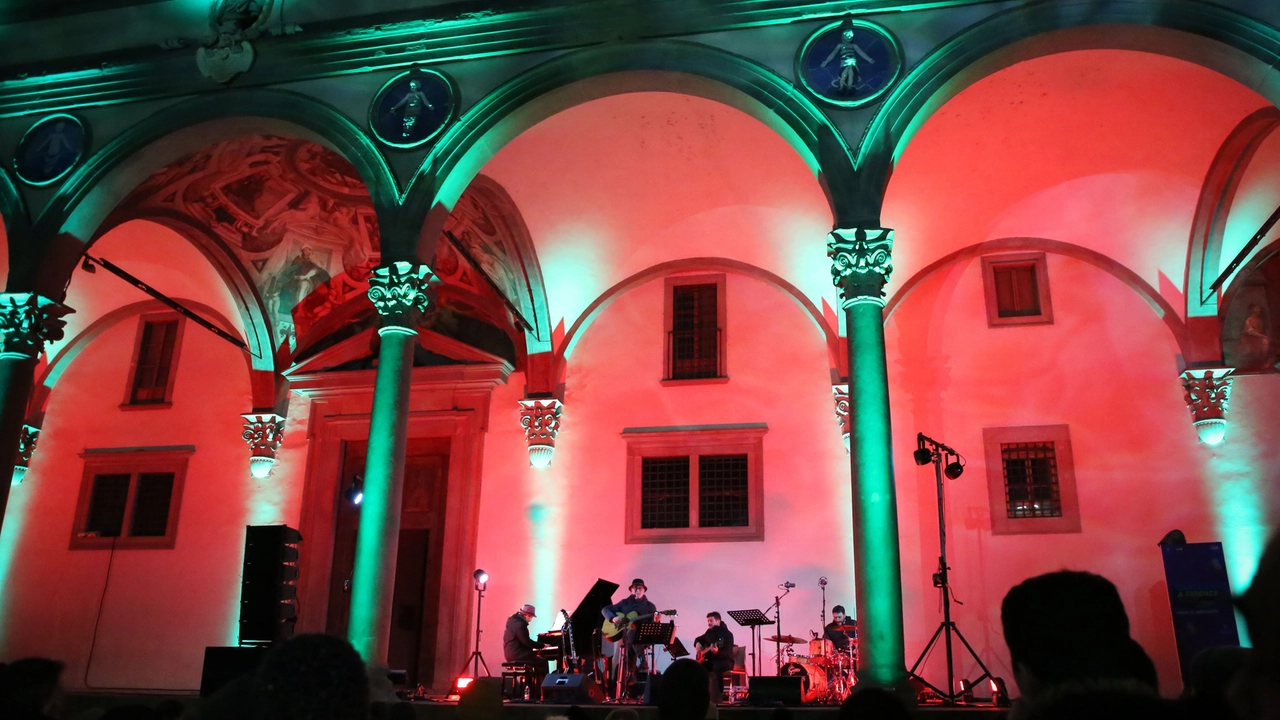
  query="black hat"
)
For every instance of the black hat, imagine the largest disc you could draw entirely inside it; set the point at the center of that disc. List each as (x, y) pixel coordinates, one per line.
(637, 582)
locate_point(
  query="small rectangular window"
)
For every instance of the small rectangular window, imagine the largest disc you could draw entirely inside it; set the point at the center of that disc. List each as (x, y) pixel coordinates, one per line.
(1017, 289)
(155, 360)
(722, 491)
(130, 498)
(1030, 480)
(695, 332)
(664, 492)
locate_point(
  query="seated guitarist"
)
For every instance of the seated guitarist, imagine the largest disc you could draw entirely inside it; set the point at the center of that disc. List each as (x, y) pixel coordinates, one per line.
(636, 603)
(715, 652)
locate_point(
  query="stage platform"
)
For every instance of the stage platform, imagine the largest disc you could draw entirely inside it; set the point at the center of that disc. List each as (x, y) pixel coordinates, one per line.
(75, 704)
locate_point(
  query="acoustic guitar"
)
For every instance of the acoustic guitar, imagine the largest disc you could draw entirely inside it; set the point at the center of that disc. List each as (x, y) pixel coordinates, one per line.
(613, 632)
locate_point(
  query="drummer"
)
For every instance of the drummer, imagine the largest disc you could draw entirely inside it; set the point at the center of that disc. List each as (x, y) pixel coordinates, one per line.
(841, 629)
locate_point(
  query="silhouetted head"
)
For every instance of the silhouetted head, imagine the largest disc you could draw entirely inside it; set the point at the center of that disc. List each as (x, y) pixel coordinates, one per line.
(685, 694)
(30, 687)
(314, 677)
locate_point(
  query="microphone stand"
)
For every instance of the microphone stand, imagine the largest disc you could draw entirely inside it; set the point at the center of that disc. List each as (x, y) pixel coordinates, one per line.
(777, 605)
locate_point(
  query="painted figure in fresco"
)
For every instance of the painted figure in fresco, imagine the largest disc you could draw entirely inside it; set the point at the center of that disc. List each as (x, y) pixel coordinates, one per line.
(848, 51)
(413, 103)
(1255, 343)
(54, 146)
(294, 282)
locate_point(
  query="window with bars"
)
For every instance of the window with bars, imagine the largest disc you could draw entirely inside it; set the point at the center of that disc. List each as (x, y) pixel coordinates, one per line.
(694, 331)
(1030, 480)
(151, 382)
(700, 485)
(130, 499)
(1017, 289)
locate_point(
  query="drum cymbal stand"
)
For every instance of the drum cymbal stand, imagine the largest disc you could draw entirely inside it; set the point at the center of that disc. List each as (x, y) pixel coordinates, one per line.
(928, 451)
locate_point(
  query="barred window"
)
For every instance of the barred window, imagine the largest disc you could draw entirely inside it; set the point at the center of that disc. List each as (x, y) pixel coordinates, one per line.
(664, 492)
(1031, 480)
(695, 484)
(130, 498)
(723, 497)
(695, 334)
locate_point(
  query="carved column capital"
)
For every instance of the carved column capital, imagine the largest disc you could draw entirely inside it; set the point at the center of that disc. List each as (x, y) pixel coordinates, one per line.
(26, 448)
(540, 418)
(1207, 392)
(264, 432)
(841, 395)
(861, 262)
(28, 321)
(399, 292)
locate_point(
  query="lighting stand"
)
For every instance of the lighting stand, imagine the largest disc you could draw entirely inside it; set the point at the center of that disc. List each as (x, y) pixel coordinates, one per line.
(476, 660)
(930, 450)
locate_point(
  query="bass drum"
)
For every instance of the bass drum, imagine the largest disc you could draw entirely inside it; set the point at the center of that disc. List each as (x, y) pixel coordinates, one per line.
(813, 680)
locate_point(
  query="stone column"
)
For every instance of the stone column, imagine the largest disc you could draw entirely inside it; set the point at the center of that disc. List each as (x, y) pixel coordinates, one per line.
(860, 267)
(400, 293)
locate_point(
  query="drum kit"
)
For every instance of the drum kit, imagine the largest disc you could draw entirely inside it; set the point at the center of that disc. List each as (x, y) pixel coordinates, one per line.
(827, 675)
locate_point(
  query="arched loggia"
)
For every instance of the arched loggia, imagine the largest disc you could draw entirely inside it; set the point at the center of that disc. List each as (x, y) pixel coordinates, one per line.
(13, 209)
(76, 213)
(1215, 37)
(616, 68)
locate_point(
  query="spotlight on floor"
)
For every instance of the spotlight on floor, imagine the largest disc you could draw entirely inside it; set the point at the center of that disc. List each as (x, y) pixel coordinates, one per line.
(999, 693)
(355, 493)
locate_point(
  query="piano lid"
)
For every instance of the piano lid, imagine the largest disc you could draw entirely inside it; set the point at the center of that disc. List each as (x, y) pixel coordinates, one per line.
(587, 618)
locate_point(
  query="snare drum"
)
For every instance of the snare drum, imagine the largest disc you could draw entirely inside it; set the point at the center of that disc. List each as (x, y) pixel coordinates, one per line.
(813, 680)
(820, 647)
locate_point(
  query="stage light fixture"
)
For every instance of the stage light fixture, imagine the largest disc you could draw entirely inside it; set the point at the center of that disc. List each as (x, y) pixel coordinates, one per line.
(260, 466)
(88, 266)
(481, 577)
(1212, 431)
(355, 493)
(955, 468)
(923, 455)
(999, 693)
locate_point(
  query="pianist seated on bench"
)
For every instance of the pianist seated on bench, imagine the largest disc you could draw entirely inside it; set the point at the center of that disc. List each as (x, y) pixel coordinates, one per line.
(517, 646)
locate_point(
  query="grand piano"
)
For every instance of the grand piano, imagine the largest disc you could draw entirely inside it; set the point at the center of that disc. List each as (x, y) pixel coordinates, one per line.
(584, 624)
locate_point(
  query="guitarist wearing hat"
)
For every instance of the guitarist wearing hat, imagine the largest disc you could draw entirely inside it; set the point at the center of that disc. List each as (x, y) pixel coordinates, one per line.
(634, 606)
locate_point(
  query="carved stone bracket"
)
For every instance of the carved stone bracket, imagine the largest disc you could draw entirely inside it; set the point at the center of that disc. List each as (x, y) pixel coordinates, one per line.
(841, 395)
(399, 292)
(861, 262)
(227, 52)
(540, 419)
(264, 432)
(28, 321)
(1208, 390)
(26, 448)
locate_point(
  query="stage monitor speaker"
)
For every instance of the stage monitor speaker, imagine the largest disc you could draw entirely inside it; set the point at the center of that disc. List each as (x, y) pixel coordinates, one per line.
(224, 664)
(770, 690)
(571, 689)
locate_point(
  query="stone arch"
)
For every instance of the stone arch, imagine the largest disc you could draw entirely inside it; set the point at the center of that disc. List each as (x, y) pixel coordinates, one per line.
(1162, 308)
(693, 265)
(48, 375)
(1204, 251)
(75, 214)
(13, 209)
(1215, 37)
(612, 69)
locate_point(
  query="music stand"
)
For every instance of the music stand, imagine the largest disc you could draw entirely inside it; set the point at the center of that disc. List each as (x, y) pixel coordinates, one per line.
(677, 649)
(652, 634)
(752, 620)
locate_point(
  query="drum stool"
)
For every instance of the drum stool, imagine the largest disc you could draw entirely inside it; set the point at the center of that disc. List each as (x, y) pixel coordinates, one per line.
(735, 681)
(517, 678)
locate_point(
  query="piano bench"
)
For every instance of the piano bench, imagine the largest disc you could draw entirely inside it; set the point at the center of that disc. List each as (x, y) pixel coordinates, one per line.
(517, 677)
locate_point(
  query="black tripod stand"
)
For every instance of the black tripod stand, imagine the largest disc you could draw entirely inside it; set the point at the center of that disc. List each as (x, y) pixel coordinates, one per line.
(928, 451)
(477, 659)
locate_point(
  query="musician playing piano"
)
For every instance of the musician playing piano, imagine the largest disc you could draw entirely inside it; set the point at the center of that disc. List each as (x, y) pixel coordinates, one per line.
(619, 613)
(841, 629)
(517, 646)
(715, 652)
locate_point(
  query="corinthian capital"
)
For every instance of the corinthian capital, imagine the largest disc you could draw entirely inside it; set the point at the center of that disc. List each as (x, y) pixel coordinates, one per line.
(399, 290)
(28, 321)
(264, 432)
(540, 419)
(1208, 391)
(860, 264)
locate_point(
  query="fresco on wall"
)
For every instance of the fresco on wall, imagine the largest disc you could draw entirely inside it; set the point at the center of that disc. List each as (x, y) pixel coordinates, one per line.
(1249, 333)
(301, 221)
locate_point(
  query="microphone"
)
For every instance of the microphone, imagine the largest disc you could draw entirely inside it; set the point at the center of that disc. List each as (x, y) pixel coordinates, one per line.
(788, 584)
(822, 581)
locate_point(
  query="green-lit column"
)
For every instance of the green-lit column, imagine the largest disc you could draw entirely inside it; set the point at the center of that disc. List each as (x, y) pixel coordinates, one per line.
(860, 267)
(28, 321)
(399, 292)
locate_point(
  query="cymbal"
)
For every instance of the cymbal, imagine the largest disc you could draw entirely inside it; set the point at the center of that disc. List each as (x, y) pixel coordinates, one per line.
(785, 639)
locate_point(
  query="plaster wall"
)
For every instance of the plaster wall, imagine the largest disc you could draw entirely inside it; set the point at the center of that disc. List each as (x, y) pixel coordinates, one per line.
(1105, 368)
(547, 535)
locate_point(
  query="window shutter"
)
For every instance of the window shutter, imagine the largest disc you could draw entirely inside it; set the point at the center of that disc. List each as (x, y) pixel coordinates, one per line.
(1017, 294)
(155, 361)
(695, 332)
(151, 505)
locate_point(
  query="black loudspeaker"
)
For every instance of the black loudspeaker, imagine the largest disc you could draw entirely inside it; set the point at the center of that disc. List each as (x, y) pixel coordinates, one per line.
(770, 690)
(268, 586)
(224, 664)
(571, 689)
